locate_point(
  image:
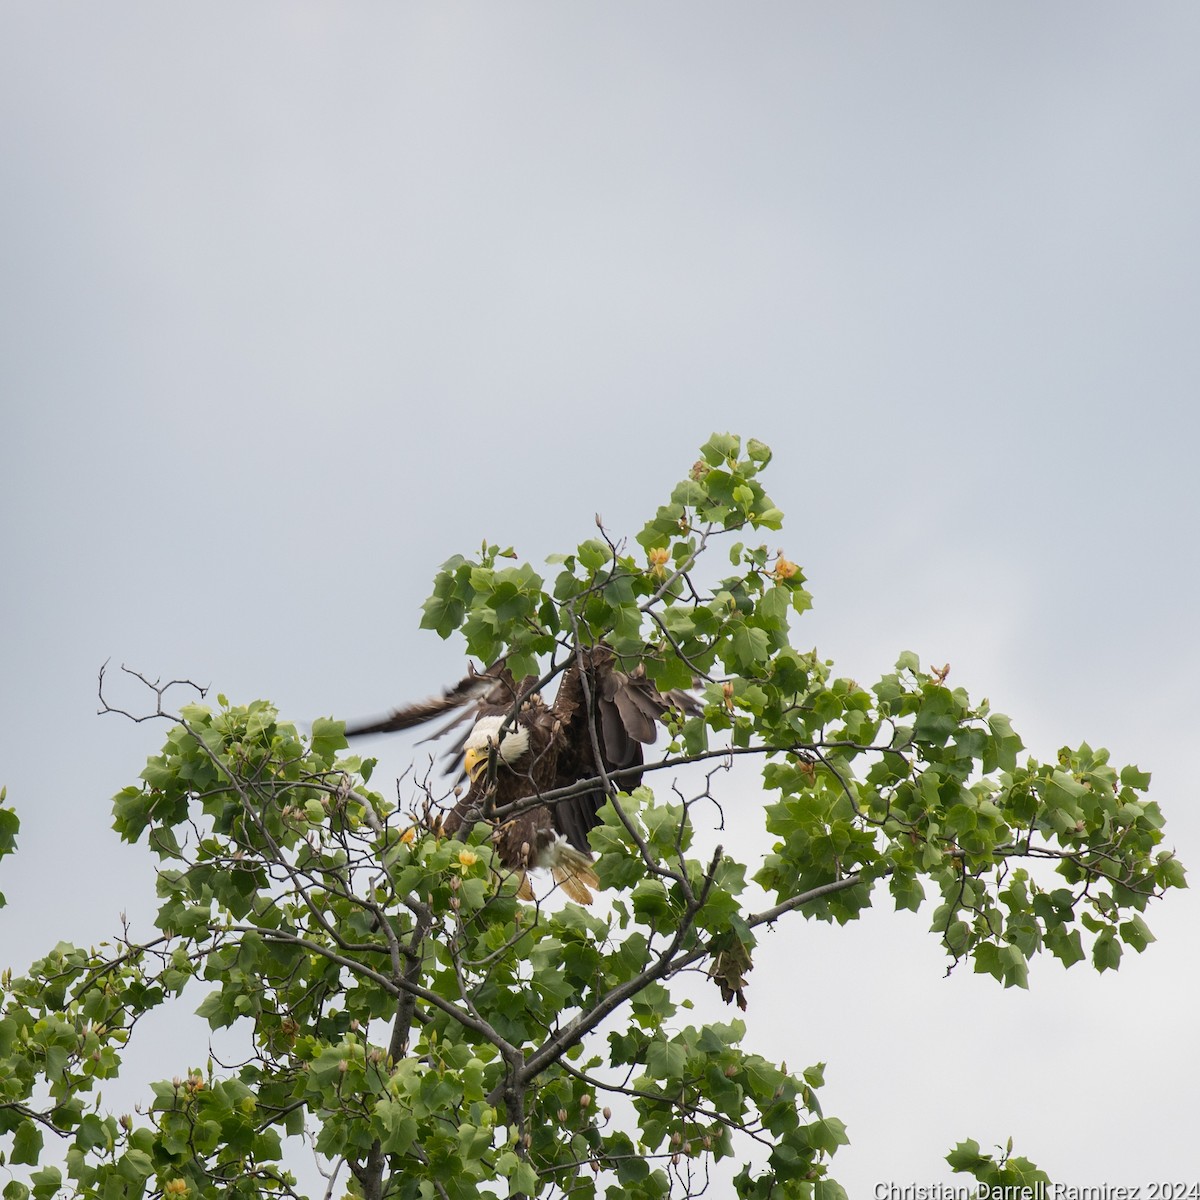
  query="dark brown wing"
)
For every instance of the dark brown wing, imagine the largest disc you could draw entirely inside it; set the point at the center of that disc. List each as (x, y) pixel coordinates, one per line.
(626, 711)
(636, 700)
(494, 689)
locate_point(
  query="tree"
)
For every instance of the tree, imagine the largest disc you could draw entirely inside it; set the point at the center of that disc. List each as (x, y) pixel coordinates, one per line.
(436, 1037)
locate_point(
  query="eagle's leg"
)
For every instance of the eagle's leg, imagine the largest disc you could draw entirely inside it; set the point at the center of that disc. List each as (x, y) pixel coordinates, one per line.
(524, 887)
(516, 864)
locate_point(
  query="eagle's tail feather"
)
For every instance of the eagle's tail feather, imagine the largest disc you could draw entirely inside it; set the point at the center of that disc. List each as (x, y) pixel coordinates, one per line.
(572, 885)
(574, 873)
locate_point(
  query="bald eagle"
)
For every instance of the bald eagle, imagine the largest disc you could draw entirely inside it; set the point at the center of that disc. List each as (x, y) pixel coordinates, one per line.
(539, 748)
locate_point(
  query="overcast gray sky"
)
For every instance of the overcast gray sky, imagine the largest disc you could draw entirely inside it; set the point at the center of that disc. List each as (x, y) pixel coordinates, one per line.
(297, 300)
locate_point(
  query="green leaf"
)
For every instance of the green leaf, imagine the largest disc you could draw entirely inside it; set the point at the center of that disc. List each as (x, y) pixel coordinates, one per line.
(594, 554)
(828, 1134)
(1106, 953)
(400, 1127)
(665, 1060)
(829, 1189)
(760, 452)
(1005, 745)
(328, 737)
(721, 447)
(9, 827)
(1013, 967)
(1065, 945)
(1132, 777)
(1136, 933)
(749, 647)
(966, 1156)
(523, 1180)
(907, 891)
(937, 717)
(27, 1144)
(442, 614)
(1169, 872)
(135, 1165)
(46, 1182)
(632, 1169)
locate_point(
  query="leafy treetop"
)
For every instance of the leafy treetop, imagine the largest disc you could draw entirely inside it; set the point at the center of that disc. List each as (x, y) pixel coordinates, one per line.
(430, 1035)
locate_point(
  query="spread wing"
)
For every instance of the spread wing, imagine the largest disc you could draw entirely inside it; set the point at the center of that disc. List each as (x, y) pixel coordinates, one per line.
(493, 689)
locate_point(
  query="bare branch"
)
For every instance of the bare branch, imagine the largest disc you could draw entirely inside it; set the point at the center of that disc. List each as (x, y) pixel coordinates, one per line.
(159, 689)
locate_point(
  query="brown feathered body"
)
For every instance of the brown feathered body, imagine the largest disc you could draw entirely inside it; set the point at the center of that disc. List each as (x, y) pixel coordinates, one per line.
(519, 747)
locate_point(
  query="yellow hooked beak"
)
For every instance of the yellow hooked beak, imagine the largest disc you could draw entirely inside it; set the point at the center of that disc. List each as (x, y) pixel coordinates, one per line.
(475, 763)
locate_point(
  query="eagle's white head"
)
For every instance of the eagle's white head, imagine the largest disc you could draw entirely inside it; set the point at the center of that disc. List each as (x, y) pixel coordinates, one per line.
(483, 736)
